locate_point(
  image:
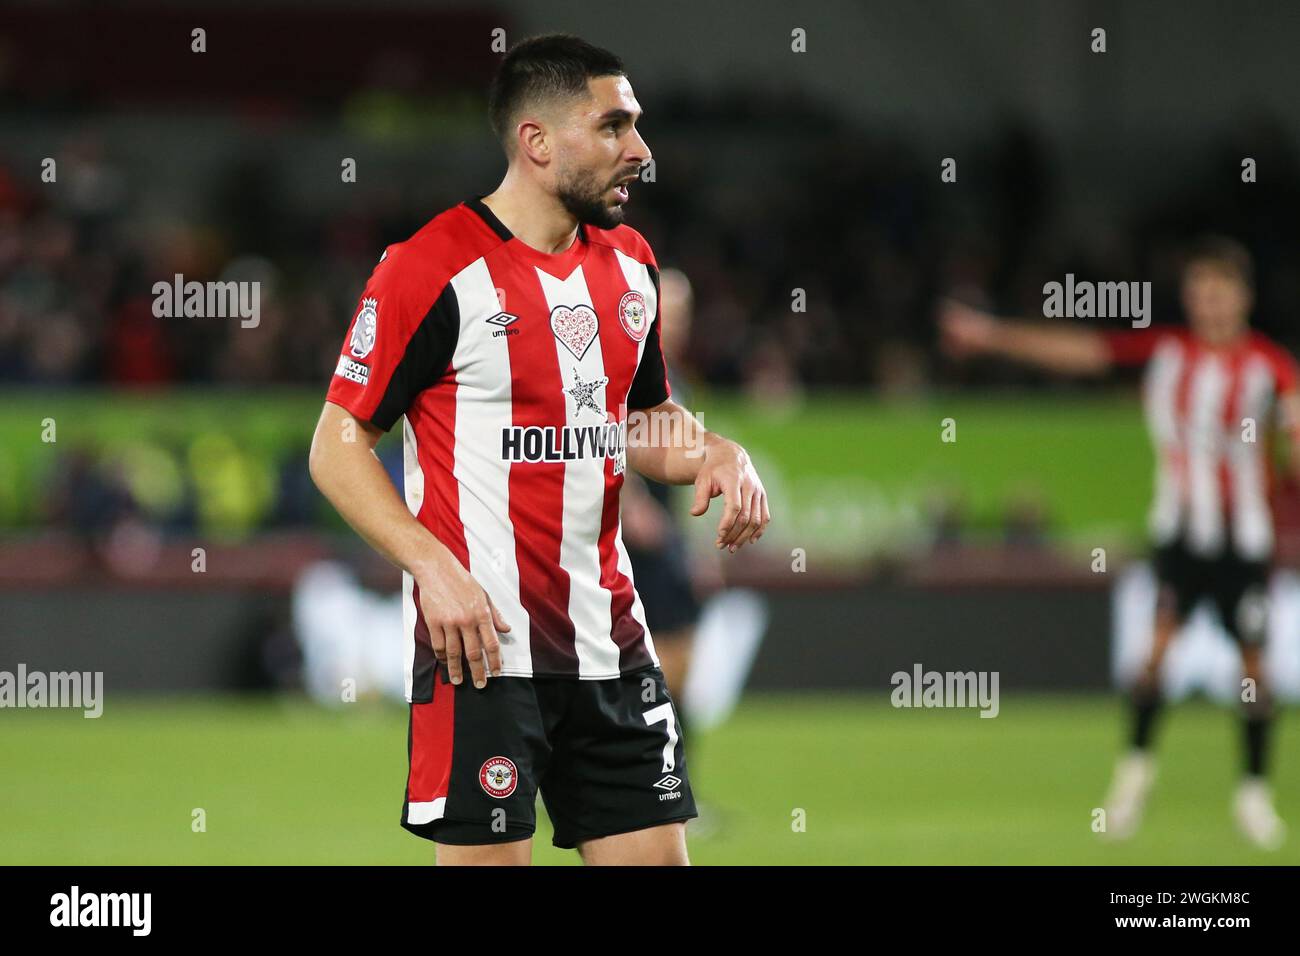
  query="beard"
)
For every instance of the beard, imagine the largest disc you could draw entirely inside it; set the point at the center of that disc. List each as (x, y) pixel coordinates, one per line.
(583, 196)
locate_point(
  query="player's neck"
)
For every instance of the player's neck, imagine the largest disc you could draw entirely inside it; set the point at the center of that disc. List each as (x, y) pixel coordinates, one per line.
(535, 218)
(1237, 341)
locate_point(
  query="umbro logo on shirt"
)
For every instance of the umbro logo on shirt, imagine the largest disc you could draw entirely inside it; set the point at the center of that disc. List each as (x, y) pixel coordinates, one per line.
(502, 319)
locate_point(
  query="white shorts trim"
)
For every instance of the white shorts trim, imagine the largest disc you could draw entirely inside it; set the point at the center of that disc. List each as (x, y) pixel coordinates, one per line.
(417, 813)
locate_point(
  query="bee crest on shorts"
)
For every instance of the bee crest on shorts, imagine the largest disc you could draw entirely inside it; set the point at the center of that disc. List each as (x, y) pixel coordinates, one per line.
(498, 777)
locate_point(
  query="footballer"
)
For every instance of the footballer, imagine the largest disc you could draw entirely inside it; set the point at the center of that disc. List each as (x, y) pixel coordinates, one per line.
(516, 338)
(1211, 519)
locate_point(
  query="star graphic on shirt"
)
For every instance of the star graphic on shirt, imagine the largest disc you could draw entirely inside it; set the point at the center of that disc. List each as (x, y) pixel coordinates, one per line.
(584, 393)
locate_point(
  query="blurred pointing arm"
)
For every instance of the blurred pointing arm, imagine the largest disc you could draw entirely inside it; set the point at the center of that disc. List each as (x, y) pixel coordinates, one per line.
(1064, 349)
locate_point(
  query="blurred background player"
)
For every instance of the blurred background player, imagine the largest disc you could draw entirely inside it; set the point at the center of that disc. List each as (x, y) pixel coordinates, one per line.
(707, 633)
(653, 539)
(1209, 390)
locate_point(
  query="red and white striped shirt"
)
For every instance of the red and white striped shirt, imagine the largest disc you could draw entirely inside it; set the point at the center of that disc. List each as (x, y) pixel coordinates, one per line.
(515, 371)
(1209, 412)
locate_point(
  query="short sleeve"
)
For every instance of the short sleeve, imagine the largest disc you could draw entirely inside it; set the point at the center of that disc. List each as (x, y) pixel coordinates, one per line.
(1133, 346)
(1286, 373)
(650, 384)
(400, 341)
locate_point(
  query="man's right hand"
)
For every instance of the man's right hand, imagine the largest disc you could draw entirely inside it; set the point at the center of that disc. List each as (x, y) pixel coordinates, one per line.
(462, 620)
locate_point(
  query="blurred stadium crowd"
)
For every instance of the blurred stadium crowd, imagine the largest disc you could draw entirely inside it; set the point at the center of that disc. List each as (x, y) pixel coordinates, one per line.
(872, 248)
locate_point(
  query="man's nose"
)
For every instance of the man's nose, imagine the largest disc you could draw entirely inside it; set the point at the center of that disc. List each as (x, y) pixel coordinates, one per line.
(640, 152)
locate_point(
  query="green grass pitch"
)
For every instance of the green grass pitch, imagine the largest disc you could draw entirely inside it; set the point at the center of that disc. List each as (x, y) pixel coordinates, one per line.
(283, 781)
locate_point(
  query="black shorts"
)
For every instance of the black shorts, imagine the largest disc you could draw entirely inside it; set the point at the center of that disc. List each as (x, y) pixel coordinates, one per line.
(606, 756)
(1238, 587)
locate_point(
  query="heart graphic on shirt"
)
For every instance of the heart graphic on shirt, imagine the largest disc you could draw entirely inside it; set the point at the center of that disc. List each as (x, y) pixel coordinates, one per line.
(575, 327)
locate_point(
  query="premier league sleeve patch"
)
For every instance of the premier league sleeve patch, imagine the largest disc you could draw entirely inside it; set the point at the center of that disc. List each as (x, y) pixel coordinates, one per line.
(357, 372)
(363, 328)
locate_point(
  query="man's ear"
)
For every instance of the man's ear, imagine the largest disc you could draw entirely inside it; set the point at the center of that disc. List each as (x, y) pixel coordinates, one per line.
(535, 142)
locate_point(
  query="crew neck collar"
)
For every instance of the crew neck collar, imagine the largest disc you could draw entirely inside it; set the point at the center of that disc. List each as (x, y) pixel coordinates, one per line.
(565, 260)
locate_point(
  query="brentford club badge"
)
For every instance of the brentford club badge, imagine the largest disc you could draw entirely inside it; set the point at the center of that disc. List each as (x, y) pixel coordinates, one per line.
(363, 329)
(632, 315)
(498, 777)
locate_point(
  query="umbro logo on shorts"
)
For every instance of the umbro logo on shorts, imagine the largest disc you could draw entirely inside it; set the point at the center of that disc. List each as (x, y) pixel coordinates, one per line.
(670, 784)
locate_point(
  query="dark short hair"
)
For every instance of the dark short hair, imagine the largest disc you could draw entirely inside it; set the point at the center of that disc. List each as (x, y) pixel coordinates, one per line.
(550, 66)
(1224, 254)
